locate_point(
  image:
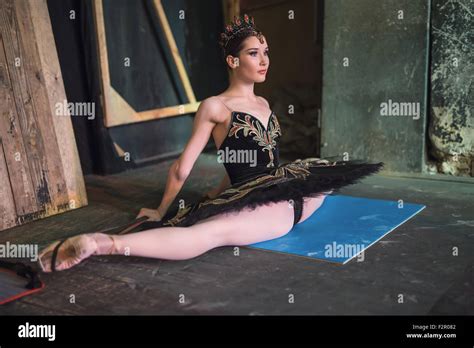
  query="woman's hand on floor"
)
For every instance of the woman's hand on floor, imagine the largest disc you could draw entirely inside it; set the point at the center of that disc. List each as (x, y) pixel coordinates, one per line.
(153, 214)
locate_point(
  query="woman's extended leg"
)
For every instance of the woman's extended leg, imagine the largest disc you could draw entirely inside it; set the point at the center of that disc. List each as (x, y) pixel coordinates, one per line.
(179, 243)
(241, 228)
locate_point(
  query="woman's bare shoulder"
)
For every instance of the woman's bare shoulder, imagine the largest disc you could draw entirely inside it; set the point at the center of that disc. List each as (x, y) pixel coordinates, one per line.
(264, 100)
(213, 107)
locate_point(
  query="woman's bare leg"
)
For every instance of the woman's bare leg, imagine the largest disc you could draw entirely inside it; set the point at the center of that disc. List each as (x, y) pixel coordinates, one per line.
(242, 228)
(180, 243)
(310, 205)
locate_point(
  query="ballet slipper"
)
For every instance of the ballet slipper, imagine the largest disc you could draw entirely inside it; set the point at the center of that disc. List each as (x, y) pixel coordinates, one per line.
(64, 254)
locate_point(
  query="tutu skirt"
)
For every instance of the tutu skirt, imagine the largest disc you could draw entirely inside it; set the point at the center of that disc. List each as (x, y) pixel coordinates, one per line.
(294, 180)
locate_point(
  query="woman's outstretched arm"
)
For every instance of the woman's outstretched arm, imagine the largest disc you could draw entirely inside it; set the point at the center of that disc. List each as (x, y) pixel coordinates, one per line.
(204, 122)
(175, 181)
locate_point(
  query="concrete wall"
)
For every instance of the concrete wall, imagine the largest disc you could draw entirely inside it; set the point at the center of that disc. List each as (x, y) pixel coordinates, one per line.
(375, 52)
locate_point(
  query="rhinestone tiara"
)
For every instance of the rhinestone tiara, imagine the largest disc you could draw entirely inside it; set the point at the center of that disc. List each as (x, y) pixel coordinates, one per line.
(238, 24)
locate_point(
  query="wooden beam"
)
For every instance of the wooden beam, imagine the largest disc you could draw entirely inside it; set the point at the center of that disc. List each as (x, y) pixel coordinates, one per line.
(54, 87)
(154, 114)
(14, 150)
(7, 201)
(35, 110)
(174, 51)
(39, 162)
(104, 74)
(116, 110)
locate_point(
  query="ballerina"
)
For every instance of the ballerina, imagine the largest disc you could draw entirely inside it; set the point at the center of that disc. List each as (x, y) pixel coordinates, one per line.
(257, 200)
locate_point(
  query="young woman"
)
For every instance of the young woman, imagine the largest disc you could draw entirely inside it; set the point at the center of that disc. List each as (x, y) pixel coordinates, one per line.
(258, 199)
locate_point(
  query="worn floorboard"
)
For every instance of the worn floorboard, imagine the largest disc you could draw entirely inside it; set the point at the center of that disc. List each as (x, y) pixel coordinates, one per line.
(416, 260)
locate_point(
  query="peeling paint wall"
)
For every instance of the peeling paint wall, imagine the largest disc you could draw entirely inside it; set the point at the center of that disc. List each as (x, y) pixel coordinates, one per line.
(451, 126)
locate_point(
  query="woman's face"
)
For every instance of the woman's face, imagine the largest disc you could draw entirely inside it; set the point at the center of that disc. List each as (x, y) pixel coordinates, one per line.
(253, 61)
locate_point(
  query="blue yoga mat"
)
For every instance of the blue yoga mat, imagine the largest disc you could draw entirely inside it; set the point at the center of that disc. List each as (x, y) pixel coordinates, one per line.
(342, 228)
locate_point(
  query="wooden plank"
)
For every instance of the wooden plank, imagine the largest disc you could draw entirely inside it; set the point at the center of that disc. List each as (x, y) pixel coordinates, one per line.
(7, 203)
(98, 14)
(117, 111)
(41, 175)
(231, 8)
(174, 51)
(47, 172)
(20, 111)
(68, 161)
(154, 114)
(10, 133)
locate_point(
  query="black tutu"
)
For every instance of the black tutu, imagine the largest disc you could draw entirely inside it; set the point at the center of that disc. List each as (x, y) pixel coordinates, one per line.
(294, 180)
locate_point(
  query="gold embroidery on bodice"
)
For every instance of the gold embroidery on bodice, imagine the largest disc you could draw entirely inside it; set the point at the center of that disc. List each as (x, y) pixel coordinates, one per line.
(264, 137)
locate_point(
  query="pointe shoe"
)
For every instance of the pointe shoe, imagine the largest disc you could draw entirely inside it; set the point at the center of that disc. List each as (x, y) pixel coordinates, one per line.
(64, 254)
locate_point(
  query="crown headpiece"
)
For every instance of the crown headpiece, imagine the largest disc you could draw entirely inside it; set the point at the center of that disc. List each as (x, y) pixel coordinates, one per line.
(239, 24)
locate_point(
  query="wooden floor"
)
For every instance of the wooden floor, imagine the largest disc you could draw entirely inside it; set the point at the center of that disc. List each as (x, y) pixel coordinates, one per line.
(415, 260)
